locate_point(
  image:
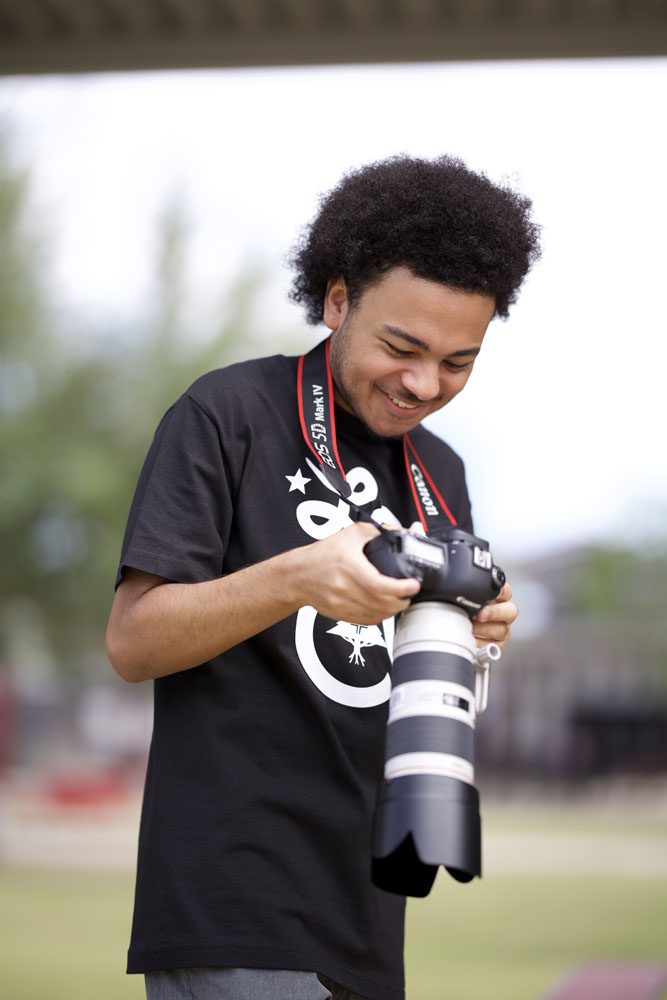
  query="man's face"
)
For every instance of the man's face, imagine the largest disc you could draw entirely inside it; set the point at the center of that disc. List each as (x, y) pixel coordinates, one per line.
(405, 349)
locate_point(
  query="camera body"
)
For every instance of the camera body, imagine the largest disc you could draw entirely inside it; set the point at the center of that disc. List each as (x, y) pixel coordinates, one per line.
(427, 811)
(453, 566)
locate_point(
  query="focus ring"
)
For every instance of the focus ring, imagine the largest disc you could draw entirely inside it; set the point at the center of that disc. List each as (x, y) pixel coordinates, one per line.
(434, 735)
(432, 666)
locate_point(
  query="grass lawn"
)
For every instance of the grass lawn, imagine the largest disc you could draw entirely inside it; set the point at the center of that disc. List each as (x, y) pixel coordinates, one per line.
(511, 937)
(507, 937)
(63, 936)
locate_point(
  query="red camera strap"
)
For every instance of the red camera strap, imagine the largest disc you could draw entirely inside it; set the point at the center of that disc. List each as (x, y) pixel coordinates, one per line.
(318, 424)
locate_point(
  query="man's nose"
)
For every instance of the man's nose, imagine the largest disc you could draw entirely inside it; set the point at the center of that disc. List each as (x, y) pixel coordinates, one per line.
(423, 381)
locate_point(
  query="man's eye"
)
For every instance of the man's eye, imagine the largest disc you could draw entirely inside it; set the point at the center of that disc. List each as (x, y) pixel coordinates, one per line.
(453, 367)
(397, 351)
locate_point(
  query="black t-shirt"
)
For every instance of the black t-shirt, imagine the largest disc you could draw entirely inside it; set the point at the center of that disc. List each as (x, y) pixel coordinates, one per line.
(254, 848)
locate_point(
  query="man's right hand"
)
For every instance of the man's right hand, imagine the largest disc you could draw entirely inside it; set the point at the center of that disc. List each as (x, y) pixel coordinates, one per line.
(347, 587)
(160, 627)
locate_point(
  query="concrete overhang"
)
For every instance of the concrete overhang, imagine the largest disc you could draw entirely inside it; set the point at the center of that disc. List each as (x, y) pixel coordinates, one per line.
(79, 36)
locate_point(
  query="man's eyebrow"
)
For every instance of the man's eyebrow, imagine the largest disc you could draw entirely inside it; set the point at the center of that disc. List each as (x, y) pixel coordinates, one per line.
(396, 331)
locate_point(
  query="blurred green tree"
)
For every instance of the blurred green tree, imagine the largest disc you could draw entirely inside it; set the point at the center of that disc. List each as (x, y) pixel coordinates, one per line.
(625, 584)
(622, 592)
(77, 414)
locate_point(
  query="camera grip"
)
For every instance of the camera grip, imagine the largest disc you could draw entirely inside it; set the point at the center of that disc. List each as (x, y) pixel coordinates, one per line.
(382, 554)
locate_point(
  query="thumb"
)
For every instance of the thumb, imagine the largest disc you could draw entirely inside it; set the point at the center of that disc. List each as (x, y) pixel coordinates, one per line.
(363, 531)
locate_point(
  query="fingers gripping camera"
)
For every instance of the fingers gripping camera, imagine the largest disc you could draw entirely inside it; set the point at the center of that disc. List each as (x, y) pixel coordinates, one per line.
(428, 808)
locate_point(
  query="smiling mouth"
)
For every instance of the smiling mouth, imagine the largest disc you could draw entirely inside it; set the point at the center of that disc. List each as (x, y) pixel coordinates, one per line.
(401, 403)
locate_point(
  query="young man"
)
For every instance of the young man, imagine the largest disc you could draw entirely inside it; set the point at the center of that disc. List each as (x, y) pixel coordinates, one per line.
(245, 594)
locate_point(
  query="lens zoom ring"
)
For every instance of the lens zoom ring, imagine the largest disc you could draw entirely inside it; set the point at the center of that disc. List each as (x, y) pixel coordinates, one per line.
(432, 666)
(423, 732)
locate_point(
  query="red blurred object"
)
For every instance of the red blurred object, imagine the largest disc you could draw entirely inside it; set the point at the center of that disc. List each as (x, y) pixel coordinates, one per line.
(613, 981)
(89, 788)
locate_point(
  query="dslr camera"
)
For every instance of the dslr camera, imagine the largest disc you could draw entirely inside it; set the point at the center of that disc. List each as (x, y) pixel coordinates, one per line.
(427, 812)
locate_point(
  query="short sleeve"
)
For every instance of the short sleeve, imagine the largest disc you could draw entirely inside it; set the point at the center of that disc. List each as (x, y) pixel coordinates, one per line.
(181, 513)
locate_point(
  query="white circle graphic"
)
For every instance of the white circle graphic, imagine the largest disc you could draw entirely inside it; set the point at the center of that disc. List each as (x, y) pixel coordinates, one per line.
(344, 694)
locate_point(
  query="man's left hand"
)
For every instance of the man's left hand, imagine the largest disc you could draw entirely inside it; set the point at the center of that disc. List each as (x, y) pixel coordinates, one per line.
(492, 623)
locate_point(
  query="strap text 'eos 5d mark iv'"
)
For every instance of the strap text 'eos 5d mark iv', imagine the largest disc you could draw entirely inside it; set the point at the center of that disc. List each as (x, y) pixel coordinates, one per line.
(316, 412)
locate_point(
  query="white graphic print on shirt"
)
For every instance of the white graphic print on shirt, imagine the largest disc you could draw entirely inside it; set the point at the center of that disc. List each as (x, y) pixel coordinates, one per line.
(320, 519)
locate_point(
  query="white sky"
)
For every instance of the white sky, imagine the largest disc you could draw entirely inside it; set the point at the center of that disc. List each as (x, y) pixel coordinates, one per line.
(562, 425)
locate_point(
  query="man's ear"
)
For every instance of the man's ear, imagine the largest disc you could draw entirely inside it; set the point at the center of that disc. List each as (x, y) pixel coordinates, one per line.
(336, 304)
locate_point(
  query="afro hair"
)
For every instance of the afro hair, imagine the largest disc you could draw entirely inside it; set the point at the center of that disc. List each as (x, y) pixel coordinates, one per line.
(436, 217)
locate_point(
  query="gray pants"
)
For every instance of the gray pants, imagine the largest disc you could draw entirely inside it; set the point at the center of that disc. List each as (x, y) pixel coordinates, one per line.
(242, 984)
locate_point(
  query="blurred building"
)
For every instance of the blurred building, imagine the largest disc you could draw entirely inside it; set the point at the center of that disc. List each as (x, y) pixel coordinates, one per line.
(584, 694)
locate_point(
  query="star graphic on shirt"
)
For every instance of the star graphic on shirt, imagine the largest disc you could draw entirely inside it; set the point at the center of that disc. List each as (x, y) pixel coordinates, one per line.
(297, 482)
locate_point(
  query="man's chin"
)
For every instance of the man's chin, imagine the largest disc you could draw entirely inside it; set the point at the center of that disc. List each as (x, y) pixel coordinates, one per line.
(372, 432)
(384, 437)
(388, 435)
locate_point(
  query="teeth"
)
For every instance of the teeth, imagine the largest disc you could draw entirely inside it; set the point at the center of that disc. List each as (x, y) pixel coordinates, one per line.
(403, 406)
